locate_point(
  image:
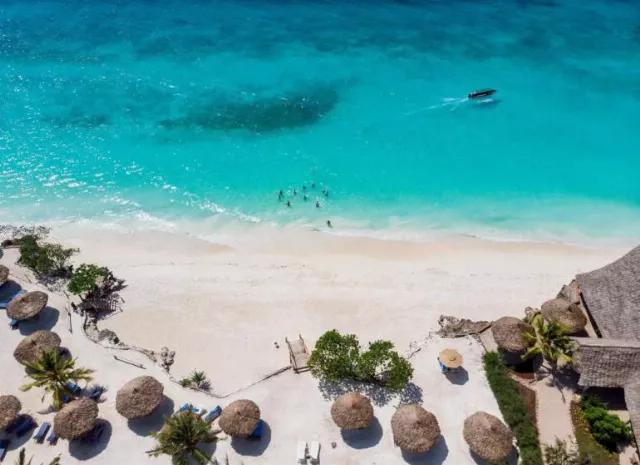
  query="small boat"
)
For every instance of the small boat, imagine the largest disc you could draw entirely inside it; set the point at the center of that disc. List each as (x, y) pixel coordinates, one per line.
(482, 93)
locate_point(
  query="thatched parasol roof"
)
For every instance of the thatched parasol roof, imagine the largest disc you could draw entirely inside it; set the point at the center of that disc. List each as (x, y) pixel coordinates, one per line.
(487, 436)
(31, 347)
(27, 305)
(352, 411)
(240, 418)
(451, 358)
(139, 397)
(508, 331)
(4, 274)
(414, 429)
(565, 313)
(9, 410)
(76, 419)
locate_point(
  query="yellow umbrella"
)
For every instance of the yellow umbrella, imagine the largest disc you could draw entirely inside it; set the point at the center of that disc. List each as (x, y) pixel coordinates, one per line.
(450, 358)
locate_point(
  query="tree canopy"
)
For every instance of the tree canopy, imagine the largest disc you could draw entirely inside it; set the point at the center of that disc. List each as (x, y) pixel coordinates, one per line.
(46, 258)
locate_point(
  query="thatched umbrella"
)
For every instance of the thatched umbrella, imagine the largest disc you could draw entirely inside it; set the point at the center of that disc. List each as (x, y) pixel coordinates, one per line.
(565, 313)
(76, 419)
(487, 436)
(4, 274)
(414, 429)
(451, 358)
(139, 397)
(31, 347)
(27, 305)
(240, 418)
(9, 410)
(352, 411)
(508, 333)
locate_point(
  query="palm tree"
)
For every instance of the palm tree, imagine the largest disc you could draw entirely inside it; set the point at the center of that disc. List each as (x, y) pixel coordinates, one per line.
(549, 340)
(53, 372)
(200, 380)
(180, 437)
(22, 459)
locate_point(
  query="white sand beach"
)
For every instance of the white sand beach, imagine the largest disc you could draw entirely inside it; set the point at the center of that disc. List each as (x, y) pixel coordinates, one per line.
(221, 308)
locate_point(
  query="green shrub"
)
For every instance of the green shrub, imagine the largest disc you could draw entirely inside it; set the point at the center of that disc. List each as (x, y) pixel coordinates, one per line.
(337, 357)
(606, 428)
(47, 259)
(513, 408)
(588, 447)
(83, 279)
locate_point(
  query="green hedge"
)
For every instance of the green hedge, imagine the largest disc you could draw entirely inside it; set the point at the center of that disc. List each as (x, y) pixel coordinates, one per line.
(513, 408)
(587, 445)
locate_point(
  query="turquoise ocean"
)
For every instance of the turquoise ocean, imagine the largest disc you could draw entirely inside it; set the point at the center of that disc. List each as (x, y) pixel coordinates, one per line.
(192, 115)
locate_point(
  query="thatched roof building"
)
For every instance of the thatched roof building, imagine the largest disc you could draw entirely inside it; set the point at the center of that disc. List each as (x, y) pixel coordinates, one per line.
(352, 411)
(414, 429)
(565, 313)
(76, 419)
(4, 274)
(611, 295)
(240, 418)
(30, 349)
(27, 305)
(9, 410)
(488, 437)
(139, 397)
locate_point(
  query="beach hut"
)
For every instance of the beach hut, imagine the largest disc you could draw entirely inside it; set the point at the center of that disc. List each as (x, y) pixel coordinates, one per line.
(414, 429)
(508, 333)
(450, 359)
(565, 313)
(352, 411)
(240, 418)
(4, 274)
(9, 410)
(139, 397)
(30, 349)
(76, 419)
(488, 437)
(27, 305)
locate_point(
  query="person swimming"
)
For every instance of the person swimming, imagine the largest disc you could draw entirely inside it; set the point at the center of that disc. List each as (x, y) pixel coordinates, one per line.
(326, 193)
(313, 185)
(317, 204)
(304, 188)
(280, 194)
(329, 224)
(305, 198)
(295, 192)
(289, 203)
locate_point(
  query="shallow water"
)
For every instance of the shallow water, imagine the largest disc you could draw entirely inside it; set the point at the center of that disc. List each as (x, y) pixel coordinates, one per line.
(161, 114)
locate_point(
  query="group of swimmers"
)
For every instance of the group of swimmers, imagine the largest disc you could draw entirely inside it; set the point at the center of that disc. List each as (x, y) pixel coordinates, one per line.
(305, 197)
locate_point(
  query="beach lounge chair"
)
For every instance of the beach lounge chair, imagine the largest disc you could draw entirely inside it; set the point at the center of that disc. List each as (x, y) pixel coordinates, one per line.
(257, 432)
(42, 432)
(213, 414)
(96, 393)
(301, 452)
(26, 427)
(73, 387)
(17, 423)
(183, 408)
(5, 303)
(52, 439)
(4, 445)
(14, 324)
(314, 452)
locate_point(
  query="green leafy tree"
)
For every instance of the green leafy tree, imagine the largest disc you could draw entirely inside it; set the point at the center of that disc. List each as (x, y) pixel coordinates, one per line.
(181, 436)
(380, 363)
(606, 428)
(549, 340)
(47, 259)
(335, 356)
(22, 459)
(52, 372)
(84, 279)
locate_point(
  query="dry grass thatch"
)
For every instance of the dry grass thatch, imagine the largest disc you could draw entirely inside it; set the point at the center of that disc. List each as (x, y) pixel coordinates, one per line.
(27, 305)
(487, 436)
(352, 411)
(451, 358)
(508, 331)
(4, 274)
(240, 418)
(565, 313)
(139, 397)
(76, 419)
(9, 410)
(30, 349)
(414, 429)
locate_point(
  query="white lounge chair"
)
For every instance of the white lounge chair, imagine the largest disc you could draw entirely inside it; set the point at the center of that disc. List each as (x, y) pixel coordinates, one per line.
(314, 452)
(301, 452)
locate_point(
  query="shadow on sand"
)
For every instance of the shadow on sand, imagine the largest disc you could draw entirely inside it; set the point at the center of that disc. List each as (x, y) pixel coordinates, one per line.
(512, 459)
(46, 320)
(82, 449)
(253, 447)
(436, 456)
(154, 422)
(363, 438)
(8, 289)
(459, 376)
(379, 395)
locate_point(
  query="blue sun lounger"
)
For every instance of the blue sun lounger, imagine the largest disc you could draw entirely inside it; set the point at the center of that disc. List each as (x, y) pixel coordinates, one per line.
(73, 387)
(4, 445)
(24, 429)
(42, 432)
(213, 414)
(5, 303)
(96, 393)
(52, 439)
(257, 432)
(14, 324)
